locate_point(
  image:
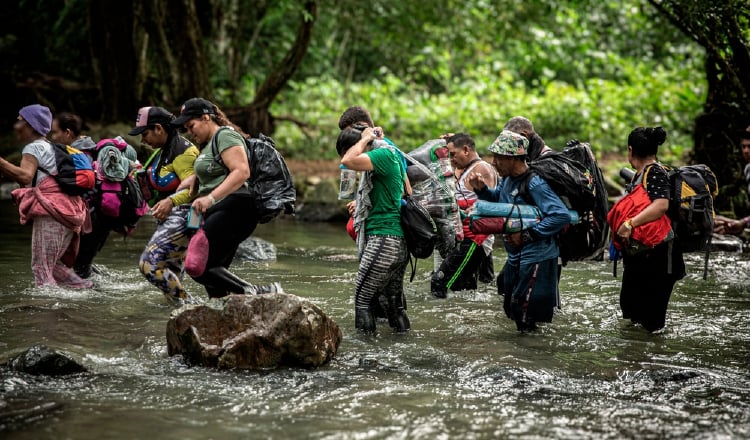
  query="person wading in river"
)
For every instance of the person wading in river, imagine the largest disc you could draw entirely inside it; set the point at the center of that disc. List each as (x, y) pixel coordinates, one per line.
(529, 277)
(58, 218)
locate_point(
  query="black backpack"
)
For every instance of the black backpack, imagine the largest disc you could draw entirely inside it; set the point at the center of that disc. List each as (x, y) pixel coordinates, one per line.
(270, 181)
(420, 230)
(574, 175)
(691, 205)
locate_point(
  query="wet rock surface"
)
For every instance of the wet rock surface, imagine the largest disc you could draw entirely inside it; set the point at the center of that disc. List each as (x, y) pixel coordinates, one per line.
(253, 332)
(40, 360)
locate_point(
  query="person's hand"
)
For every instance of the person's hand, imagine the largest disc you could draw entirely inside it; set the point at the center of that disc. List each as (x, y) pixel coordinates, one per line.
(515, 239)
(161, 209)
(720, 226)
(729, 226)
(446, 135)
(351, 207)
(624, 232)
(370, 133)
(476, 180)
(201, 204)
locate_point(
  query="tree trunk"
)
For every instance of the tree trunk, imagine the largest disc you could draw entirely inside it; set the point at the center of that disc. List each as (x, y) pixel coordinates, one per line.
(256, 118)
(174, 38)
(715, 26)
(113, 57)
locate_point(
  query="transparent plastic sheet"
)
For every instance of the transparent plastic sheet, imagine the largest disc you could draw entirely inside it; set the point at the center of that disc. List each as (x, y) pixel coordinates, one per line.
(436, 196)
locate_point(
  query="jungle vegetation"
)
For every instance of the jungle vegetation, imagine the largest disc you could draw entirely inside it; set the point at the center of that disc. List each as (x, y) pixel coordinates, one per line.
(586, 69)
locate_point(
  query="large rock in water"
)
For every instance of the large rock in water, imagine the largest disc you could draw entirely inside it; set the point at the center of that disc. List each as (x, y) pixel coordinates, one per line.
(40, 360)
(255, 249)
(253, 332)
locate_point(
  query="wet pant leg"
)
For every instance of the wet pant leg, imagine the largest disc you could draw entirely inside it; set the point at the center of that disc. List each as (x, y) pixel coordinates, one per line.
(49, 242)
(381, 271)
(91, 244)
(458, 271)
(162, 260)
(225, 226)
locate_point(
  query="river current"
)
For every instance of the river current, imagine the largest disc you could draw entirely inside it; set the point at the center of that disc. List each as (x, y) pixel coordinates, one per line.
(462, 372)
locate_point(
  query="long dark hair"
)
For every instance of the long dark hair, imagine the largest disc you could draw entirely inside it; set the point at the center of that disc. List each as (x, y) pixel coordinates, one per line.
(221, 118)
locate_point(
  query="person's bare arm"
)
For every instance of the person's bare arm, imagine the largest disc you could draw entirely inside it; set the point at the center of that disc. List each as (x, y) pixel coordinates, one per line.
(23, 174)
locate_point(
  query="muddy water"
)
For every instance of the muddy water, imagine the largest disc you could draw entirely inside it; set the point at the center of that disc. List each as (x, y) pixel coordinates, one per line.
(463, 372)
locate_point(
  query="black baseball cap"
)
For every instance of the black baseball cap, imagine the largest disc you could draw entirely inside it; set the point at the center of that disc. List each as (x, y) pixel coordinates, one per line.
(194, 108)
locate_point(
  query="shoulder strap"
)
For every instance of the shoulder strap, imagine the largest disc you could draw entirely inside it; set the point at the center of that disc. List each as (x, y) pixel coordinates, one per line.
(53, 145)
(152, 156)
(215, 146)
(470, 166)
(523, 189)
(404, 176)
(642, 178)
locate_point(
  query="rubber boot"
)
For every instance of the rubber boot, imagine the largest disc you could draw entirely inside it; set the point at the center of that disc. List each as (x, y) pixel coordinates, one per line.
(364, 322)
(397, 318)
(230, 282)
(226, 280)
(437, 286)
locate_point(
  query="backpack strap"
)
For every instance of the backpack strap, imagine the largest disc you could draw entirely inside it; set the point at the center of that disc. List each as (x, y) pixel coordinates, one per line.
(215, 146)
(523, 188)
(642, 177)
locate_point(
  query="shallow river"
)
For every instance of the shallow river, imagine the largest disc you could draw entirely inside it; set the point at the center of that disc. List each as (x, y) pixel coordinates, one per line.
(463, 371)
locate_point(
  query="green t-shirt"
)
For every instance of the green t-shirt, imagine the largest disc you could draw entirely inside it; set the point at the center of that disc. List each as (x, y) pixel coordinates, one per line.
(387, 188)
(210, 173)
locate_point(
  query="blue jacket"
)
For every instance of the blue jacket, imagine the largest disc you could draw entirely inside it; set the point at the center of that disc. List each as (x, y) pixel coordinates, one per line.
(555, 217)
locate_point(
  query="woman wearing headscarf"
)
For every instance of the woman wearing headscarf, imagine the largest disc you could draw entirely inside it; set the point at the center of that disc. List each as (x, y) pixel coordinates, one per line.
(58, 219)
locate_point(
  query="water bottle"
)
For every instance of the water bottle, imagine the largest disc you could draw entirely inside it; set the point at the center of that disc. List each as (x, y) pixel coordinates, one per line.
(348, 183)
(444, 162)
(458, 225)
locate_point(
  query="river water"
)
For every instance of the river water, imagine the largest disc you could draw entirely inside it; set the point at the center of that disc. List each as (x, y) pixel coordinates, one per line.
(463, 371)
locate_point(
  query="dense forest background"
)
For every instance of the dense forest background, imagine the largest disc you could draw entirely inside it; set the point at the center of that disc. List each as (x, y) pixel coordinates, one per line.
(586, 69)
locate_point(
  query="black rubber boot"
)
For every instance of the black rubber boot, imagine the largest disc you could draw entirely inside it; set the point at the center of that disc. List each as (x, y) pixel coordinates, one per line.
(224, 279)
(437, 286)
(364, 322)
(397, 318)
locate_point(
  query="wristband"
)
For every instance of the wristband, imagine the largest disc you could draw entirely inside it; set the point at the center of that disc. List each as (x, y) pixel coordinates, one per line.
(628, 224)
(211, 198)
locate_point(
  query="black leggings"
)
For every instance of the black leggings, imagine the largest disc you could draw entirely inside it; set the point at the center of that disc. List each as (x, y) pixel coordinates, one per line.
(226, 225)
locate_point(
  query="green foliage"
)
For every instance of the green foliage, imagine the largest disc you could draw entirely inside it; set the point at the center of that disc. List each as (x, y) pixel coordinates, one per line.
(602, 112)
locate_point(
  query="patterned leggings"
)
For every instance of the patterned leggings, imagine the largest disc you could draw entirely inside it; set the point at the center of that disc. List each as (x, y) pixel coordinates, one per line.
(162, 261)
(381, 271)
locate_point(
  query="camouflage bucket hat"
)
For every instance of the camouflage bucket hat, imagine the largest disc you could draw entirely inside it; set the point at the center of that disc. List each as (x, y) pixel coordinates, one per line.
(509, 143)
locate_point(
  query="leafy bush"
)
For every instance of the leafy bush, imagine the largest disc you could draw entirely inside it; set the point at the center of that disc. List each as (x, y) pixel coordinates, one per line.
(602, 112)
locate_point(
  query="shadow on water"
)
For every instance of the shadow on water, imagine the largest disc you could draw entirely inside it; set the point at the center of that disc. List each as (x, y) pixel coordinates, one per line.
(463, 371)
